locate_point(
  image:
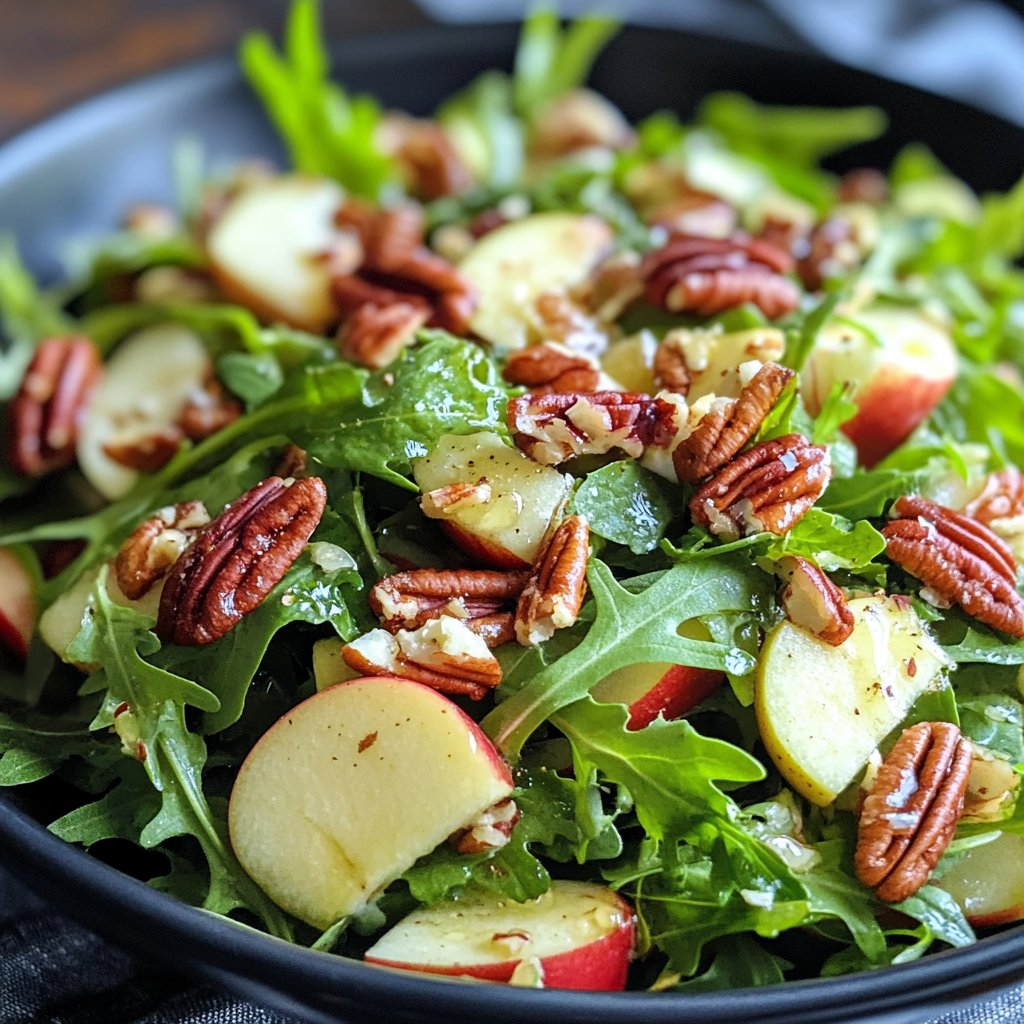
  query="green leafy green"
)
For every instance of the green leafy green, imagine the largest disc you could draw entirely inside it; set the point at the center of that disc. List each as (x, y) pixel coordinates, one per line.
(626, 504)
(327, 131)
(832, 542)
(146, 705)
(442, 386)
(629, 629)
(550, 62)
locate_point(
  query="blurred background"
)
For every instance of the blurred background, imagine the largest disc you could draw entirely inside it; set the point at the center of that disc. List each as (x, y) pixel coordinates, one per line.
(53, 52)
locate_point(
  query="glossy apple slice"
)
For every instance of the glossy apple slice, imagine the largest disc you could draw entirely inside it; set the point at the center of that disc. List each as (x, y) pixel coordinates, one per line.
(578, 935)
(988, 882)
(268, 250)
(502, 523)
(823, 710)
(351, 787)
(513, 265)
(901, 365)
(19, 603)
(657, 688)
(142, 392)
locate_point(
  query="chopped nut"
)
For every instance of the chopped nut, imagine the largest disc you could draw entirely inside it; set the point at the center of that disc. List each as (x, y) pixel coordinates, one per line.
(491, 831)
(813, 602)
(148, 554)
(443, 654)
(442, 501)
(554, 428)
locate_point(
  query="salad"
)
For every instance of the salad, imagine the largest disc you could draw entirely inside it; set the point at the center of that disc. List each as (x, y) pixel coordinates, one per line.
(522, 545)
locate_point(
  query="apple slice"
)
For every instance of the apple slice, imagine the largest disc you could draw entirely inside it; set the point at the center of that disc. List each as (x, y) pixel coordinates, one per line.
(513, 265)
(329, 666)
(268, 250)
(901, 366)
(988, 882)
(657, 688)
(823, 710)
(506, 506)
(630, 361)
(579, 935)
(62, 620)
(19, 603)
(351, 787)
(144, 388)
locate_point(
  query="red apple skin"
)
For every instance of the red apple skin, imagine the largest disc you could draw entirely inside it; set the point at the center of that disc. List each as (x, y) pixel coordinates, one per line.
(19, 608)
(675, 694)
(480, 550)
(890, 408)
(600, 966)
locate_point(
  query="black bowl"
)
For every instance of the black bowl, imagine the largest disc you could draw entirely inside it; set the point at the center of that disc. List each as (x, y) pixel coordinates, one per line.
(76, 173)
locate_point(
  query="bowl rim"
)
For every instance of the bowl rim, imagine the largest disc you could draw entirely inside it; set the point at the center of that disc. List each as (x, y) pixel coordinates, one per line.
(244, 958)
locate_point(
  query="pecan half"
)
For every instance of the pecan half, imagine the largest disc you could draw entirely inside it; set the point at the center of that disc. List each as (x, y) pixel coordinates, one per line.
(490, 831)
(723, 431)
(813, 602)
(770, 487)
(238, 559)
(148, 553)
(551, 367)
(397, 270)
(374, 335)
(1001, 497)
(44, 415)
(830, 250)
(208, 410)
(146, 452)
(909, 817)
(482, 598)
(863, 185)
(443, 653)
(958, 559)
(554, 592)
(443, 501)
(554, 428)
(559, 317)
(430, 165)
(695, 274)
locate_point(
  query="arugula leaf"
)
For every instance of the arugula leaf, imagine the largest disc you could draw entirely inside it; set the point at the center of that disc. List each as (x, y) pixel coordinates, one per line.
(629, 629)
(33, 747)
(227, 666)
(987, 647)
(739, 961)
(326, 130)
(832, 542)
(26, 316)
(801, 135)
(146, 705)
(550, 62)
(481, 118)
(940, 913)
(626, 504)
(801, 339)
(442, 386)
(867, 493)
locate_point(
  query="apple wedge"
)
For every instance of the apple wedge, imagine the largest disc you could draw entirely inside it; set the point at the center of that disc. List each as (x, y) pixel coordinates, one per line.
(513, 265)
(823, 710)
(267, 250)
(988, 882)
(577, 935)
(19, 602)
(657, 688)
(901, 363)
(144, 388)
(492, 500)
(351, 787)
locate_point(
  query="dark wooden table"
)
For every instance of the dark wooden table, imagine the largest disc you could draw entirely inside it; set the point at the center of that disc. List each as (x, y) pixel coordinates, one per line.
(54, 52)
